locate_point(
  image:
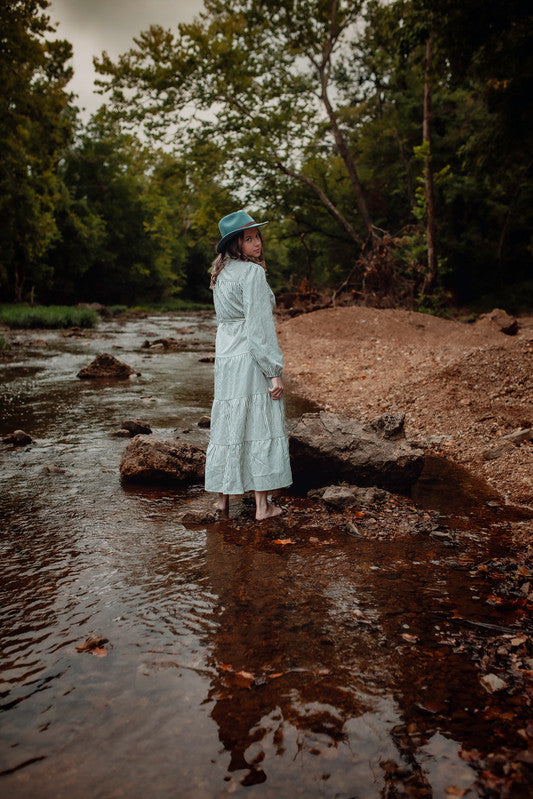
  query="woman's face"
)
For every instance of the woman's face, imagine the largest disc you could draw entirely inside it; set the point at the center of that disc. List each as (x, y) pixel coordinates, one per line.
(252, 243)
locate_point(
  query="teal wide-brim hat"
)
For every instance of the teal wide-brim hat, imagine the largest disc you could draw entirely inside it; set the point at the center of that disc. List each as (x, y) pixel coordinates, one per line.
(232, 224)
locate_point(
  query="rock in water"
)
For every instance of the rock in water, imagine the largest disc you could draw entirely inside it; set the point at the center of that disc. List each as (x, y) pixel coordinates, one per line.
(151, 460)
(346, 496)
(326, 447)
(136, 427)
(107, 366)
(18, 438)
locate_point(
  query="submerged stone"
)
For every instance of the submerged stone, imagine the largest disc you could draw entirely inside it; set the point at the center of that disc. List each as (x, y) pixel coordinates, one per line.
(136, 427)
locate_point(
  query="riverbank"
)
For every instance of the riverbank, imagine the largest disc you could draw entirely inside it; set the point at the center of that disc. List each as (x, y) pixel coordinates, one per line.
(463, 387)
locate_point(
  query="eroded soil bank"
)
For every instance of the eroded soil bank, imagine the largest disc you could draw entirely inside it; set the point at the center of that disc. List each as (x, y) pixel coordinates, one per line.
(462, 386)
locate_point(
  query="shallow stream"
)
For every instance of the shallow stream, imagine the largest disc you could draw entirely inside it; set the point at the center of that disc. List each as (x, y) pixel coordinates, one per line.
(232, 667)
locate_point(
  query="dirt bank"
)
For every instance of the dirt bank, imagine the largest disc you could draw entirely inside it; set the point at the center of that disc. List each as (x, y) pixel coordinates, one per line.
(469, 384)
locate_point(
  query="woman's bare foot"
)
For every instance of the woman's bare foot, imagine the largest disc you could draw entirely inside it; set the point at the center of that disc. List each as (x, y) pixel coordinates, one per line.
(268, 512)
(263, 508)
(222, 504)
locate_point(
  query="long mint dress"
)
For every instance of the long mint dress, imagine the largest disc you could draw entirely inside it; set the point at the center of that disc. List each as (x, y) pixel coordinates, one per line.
(248, 447)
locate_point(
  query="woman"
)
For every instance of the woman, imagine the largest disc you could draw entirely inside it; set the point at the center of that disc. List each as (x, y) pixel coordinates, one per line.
(248, 447)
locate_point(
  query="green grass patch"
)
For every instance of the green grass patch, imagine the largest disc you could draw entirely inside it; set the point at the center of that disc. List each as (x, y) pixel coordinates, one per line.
(4, 344)
(49, 316)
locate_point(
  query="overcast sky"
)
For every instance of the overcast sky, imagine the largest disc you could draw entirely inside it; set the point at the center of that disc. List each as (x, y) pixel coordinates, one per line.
(96, 25)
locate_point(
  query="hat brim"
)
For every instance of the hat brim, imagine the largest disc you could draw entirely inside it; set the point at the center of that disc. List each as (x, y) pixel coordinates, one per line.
(229, 236)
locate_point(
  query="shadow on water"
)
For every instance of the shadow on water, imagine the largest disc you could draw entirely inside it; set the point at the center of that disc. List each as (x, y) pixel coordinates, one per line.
(329, 667)
(454, 491)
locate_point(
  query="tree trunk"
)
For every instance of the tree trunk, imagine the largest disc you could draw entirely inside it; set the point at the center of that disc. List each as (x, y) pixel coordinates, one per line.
(19, 280)
(346, 157)
(324, 199)
(431, 274)
(323, 69)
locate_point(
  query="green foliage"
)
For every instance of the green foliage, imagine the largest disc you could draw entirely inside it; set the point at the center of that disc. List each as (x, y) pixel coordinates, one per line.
(51, 316)
(4, 344)
(35, 126)
(260, 77)
(131, 226)
(306, 113)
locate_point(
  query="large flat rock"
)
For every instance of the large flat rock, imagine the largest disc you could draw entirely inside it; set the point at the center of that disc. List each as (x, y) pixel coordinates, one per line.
(326, 447)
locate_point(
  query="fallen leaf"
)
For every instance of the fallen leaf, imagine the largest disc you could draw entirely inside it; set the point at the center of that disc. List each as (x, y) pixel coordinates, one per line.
(92, 642)
(243, 679)
(359, 514)
(526, 673)
(100, 651)
(469, 755)
(412, 639)
(490, 780)
(526, 756)
(518, 640)
(283, 541)
(453, 790)
(495, 600)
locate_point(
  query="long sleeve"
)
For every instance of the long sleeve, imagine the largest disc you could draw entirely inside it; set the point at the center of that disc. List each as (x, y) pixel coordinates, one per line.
(260, 328)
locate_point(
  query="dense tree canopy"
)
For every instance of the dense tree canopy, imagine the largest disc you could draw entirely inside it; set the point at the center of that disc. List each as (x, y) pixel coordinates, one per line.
(389, 143)
(35, 125)
(319, 107)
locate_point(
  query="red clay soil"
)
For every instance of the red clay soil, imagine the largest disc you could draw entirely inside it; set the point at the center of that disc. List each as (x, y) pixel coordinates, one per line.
(470, 384)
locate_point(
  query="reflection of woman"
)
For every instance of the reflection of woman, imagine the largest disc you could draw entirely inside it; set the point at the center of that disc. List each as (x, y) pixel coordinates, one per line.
(248, 447)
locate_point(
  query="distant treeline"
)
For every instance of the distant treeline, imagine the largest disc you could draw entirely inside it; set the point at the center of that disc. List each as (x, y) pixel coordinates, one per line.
(388, 143)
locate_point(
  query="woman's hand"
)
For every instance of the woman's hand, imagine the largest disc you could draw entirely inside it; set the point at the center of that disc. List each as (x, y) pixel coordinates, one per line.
(276, 390)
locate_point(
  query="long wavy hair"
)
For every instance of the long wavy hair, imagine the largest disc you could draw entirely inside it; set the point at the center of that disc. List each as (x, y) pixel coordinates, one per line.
(232, 250)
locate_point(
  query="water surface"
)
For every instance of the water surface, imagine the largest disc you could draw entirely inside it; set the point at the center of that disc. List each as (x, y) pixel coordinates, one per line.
(233, 665)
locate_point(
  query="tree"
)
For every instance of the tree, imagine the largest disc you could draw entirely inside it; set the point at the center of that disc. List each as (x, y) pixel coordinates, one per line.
(262, 80)
(131, 223)
(36, 121)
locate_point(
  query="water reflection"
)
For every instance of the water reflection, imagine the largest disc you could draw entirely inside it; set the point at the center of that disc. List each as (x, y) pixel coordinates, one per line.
(299, 677)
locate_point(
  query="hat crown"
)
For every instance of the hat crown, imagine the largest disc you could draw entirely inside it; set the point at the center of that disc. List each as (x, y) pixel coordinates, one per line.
(234, 222)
